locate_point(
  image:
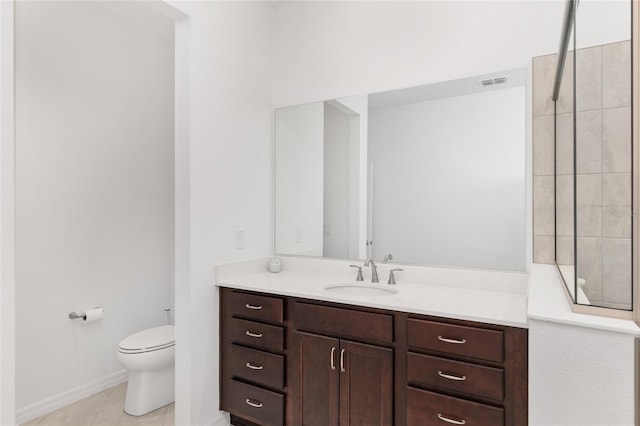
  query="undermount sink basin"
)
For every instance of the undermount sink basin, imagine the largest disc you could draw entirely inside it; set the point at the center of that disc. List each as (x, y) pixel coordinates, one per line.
(355, 289)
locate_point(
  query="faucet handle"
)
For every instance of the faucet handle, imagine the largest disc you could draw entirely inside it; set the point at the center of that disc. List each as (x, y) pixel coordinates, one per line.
(392, 278)
(359, 277)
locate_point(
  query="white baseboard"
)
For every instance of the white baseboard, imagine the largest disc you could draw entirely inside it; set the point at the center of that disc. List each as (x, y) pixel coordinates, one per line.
(62, 399)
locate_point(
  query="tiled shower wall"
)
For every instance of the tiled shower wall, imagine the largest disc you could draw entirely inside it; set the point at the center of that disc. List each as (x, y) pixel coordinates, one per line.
(603, 162)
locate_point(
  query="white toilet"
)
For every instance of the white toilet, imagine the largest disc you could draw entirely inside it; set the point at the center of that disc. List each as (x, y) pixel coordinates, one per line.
(149, 356)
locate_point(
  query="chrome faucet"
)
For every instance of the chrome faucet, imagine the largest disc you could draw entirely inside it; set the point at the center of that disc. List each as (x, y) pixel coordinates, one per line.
(392, 278)
(374, 270)
(359, 276)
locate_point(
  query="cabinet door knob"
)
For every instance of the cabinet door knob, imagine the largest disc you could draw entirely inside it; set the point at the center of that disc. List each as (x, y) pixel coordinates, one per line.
(332, 363)
(254, 367)
(454, 341)
(342, 361)
(254, 307)
(452, 376)
(450, 420)
(255, 404)
(250, 334)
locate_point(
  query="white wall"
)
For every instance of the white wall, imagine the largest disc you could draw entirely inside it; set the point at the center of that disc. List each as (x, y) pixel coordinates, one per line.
(358, 104)
(94, 178)
(230, 65)
(326, 50)
(226, 67)
(602, 22)
(319, 147)
(448, 180)
(336, 200)
(7, 216)
(580, 376)
(299, 155)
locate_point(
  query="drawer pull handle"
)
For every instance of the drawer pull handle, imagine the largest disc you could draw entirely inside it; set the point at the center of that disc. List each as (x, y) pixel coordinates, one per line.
(250, 334)
(332, 361)
(254, 307)
(254, 367)
(455, 341)
(452, 376)
(450, 420)
(342, 361)
(256, 404)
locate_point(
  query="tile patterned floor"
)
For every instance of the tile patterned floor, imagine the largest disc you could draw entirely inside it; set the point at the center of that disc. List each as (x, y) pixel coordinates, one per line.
(104, 409)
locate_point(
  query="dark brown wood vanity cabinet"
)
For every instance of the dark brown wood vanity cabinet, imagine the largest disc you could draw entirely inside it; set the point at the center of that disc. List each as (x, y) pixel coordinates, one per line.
(252, 348)
(463, 373)
(327, 364)
(341, 372)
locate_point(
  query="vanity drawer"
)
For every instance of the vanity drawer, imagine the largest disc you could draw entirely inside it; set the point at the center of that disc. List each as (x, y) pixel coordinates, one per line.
(427, 408)
(255, 334)
(256, 404)
(456, 339)
(253, 306)
(256, 366)
(357, 325)
(456, 376)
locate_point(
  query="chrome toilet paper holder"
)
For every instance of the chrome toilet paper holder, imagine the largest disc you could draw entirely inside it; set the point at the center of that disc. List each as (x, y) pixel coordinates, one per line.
(90, 315)
(74, 315)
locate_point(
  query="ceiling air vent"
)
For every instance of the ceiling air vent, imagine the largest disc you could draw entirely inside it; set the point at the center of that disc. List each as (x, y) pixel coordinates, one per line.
(492, 81)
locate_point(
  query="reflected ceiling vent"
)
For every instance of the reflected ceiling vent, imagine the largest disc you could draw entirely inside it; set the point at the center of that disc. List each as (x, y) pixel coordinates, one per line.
(493, 81)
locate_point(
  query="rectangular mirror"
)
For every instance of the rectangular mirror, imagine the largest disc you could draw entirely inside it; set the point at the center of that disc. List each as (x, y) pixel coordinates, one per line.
(431, 175)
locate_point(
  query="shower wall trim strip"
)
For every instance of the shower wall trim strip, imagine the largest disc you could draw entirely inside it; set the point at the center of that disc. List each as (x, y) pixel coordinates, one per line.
(567, 26)
(636, 381)
(635, 146)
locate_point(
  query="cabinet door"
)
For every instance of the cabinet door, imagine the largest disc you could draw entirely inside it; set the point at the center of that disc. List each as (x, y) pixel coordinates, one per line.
(366, 385)
(316, 385)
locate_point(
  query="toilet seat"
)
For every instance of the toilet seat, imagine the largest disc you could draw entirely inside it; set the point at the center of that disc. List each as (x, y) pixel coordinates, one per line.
(153, 339)
(145, 350)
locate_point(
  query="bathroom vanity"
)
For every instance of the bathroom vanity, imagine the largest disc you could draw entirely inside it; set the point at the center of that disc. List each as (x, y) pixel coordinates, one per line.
(389, 176)
(313, 360)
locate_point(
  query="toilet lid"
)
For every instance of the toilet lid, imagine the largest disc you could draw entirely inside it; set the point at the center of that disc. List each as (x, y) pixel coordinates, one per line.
(151, 339)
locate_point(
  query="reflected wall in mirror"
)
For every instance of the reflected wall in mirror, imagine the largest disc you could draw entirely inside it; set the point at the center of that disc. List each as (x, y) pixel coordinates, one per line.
(431, 175)
(320, 179)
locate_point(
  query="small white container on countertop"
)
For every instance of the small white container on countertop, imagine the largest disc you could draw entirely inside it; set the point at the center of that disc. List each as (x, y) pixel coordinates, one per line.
(275, 265)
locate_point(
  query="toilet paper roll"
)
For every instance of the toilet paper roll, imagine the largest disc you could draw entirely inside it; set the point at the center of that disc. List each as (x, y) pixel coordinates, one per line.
(92, 315)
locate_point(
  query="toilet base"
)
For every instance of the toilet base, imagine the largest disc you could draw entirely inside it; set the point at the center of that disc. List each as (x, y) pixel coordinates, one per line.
(149, 390)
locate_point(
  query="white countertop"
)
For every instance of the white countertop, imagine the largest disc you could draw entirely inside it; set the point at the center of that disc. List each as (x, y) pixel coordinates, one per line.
(548, 302)
(493, 297)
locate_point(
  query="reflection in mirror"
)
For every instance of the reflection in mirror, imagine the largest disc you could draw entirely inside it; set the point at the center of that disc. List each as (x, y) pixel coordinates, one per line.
(299, 179)
(320, 179)
(427, 175)
(344, 218)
